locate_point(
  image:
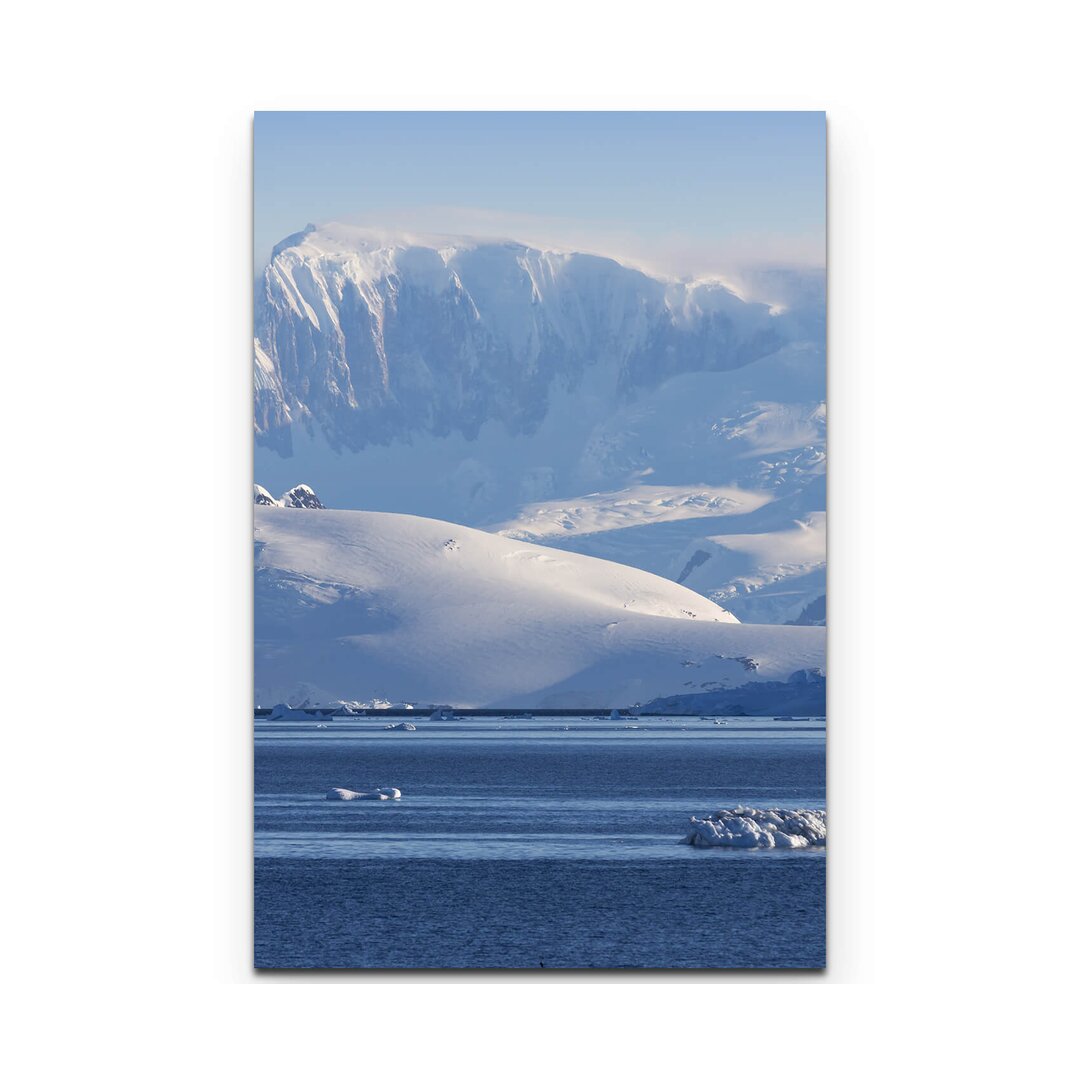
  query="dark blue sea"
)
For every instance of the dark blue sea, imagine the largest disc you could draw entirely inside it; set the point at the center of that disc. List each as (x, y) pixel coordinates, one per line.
(529, 843)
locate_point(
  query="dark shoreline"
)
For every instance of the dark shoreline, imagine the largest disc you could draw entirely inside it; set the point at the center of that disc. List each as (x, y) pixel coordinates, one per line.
(322, 713)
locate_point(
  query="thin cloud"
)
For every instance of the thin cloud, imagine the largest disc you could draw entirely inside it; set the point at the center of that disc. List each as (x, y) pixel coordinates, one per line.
(670, 255)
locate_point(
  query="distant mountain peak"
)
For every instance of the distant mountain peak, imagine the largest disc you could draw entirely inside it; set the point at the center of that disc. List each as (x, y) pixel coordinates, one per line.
(301, 497)
(292, 240)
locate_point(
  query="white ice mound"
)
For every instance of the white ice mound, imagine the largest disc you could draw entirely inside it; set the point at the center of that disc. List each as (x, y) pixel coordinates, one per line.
(381, 794)
(403, 726)
(746, 827)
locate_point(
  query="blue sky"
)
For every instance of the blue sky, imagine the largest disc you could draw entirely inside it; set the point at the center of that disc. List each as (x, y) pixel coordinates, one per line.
(680, 193)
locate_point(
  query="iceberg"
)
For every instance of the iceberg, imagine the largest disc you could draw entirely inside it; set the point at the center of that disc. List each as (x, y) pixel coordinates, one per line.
(403, 726)
(281, 711)
(381, 794)
(747, 827)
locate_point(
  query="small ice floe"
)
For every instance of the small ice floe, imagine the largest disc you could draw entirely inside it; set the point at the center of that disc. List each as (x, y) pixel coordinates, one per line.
(381, 794)
(403, 726)
(322, 727)
(747, 827)
(720, 723)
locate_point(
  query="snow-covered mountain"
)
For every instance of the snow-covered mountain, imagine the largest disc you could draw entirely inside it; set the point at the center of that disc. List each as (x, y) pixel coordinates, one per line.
(372, 338)
(350, 605)
(510, 388)
(300, 497)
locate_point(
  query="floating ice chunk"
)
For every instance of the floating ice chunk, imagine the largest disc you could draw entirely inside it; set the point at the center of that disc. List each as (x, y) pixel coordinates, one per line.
(746, 827)
(403, 726)
(380, 794)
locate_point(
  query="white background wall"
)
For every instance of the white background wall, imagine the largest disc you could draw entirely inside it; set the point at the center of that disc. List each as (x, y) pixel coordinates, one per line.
(126, 450)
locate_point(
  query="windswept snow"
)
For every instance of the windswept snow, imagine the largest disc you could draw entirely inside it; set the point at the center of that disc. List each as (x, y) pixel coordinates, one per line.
(745, 827)
(350, 605)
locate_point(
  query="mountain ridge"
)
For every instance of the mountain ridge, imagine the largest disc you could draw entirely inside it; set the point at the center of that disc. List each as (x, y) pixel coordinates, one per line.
(363, 337)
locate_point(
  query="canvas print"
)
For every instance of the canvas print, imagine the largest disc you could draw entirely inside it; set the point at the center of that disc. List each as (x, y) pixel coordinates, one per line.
(539, 540)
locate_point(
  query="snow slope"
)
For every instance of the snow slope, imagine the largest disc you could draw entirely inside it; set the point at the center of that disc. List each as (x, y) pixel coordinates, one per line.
(645, 504)
(769, 574)
(763, 577)
(350, 605)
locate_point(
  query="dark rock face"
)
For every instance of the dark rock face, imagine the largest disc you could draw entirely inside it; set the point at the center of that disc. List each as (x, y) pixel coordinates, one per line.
(811, 615)
(803, 694)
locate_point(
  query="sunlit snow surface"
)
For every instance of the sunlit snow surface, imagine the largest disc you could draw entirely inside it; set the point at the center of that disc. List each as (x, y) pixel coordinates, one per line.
(640, 505)
(350, 604)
